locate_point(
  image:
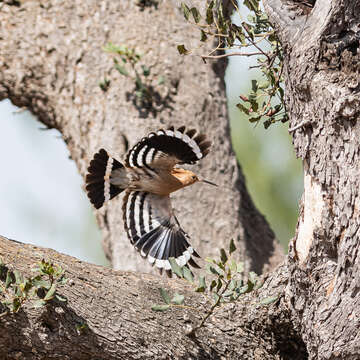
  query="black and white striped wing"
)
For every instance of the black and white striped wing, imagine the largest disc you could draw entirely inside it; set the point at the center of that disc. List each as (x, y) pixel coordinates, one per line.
(165, 148)
(154, 231)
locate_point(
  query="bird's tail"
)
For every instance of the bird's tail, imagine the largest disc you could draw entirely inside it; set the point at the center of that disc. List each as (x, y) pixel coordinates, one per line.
(102, 170)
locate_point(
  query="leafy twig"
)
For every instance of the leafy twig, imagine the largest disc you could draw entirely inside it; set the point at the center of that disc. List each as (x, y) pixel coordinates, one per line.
(256, 32)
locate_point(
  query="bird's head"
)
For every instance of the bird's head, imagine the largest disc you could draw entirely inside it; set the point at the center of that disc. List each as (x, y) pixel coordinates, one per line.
(187, 177)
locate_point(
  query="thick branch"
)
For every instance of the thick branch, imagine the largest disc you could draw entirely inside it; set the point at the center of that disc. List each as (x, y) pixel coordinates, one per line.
(52, 60)
(285, 19)
(114, 309)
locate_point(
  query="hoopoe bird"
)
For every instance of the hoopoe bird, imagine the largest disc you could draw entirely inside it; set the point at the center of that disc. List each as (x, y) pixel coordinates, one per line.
(149, 176)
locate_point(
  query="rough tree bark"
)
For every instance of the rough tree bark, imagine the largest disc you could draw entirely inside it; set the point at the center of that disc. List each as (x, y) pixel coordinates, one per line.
(323, 95)
(50, 62)
(114, 308)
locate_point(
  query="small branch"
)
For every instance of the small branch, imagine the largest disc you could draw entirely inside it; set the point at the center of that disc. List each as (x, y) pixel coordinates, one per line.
(229, 54)
(302, 124)
(210, 312)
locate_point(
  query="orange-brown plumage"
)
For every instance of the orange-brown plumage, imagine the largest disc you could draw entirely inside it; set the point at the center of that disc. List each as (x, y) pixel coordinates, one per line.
(149, 175)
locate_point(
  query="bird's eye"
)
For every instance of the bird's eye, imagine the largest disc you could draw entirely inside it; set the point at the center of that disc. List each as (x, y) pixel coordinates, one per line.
(194, 177)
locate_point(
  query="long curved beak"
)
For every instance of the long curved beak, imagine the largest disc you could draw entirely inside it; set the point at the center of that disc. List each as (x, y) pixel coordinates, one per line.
(208, 182)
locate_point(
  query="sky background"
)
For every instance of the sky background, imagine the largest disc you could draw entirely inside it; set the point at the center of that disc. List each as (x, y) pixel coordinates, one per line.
(42, 201)
(41, 196)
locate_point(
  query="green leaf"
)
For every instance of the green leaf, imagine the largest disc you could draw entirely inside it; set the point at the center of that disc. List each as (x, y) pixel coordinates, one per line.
(232, 285)
(254, 85)
(176, 269)
(240, 267)
(241, 37)
(165, 295)
(177, 299)
(161, 80)
(9, 279)
(104, 85)
(285, 118)
(139, 94)
(186, 11)
(212, 285)
(259, 284)
(18, 291)
(39, 303)
(264, 84)
(267, 123)
(160, 307)
(182, 50)
(202, 284)
(223, 256)
(251, 18)
(268, 300)
(278, 107)
(203, 36)
(18, 277)
(216, 297)
(38, 282)
(213, 270)
(243, 290)
(281, 92)
(254, 106)
(16, 304)
(242, 108)
(200, 289)
(111, 48)
(232, 266)
(219, 285)
(195, 13)
(82, 327)
(188, 274)
(27, 285)
(255, 118)
(232, 246)
(139, 84)
(252, 5)
(247, 288)
(209, 16)
(121, 69)
(60, 298)
(253, 277)
(50, 294)
(146, 70)
(209, 260)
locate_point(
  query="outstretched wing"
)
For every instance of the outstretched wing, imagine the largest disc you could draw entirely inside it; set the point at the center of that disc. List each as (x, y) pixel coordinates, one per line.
(154, 231)
(165, 148)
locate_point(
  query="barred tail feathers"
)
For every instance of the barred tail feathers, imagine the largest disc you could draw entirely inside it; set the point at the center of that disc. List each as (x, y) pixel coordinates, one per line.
(99, 187)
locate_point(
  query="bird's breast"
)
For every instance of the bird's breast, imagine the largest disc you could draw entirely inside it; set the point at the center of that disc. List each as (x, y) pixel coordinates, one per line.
(159, 182)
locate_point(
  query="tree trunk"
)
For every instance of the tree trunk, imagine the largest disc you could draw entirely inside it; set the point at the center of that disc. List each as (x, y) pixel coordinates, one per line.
(323, 94)
(52, 61)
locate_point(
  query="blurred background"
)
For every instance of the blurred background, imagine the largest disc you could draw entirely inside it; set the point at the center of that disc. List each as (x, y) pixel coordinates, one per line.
(42, 201)
(41, 192)
(273, 175)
